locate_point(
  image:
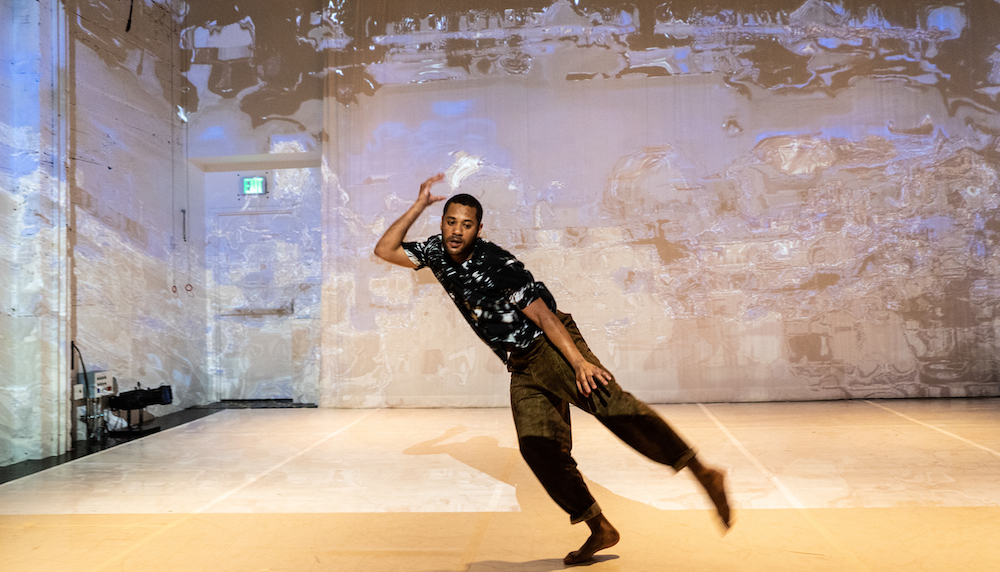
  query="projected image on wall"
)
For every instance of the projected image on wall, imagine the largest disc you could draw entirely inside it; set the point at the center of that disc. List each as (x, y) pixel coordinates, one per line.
(777, 201)
(738, 201)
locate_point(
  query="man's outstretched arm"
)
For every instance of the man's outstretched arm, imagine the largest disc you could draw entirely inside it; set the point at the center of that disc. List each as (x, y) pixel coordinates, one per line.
(588, 375)
(390, 246)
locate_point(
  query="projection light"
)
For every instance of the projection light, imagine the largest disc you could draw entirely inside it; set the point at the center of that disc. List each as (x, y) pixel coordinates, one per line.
(254, 186)
(140, 398)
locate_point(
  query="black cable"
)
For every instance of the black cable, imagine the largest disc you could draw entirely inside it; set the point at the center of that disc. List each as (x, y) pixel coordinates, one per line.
(86, 381)
(86, 388)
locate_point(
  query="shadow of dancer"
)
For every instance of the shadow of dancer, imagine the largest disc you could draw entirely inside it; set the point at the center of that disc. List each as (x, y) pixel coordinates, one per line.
(505, 464)
(485, 455)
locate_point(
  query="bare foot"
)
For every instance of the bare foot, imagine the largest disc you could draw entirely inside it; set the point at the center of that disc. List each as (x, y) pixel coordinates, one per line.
(602, 535)
(715, 485)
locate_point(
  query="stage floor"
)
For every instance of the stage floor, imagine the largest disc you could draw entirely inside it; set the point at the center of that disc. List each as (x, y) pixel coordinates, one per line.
(849, 485)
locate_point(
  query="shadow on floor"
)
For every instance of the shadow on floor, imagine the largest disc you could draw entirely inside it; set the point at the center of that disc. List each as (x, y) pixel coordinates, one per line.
(546, 565)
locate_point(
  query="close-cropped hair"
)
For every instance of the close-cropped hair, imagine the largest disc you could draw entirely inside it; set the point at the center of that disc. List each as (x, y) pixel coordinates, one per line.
(469, 201)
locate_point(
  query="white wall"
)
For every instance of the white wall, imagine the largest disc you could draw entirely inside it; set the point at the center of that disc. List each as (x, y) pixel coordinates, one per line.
(92, 186)
(34, 405)
(783, 213)
(135, 313)
(729, 202)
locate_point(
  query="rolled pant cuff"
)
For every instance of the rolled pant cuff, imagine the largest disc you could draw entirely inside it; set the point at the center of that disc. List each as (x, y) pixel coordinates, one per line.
(594, 510)
(684, 459)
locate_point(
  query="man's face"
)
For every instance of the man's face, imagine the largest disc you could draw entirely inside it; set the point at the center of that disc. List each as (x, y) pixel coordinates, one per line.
(459, 230)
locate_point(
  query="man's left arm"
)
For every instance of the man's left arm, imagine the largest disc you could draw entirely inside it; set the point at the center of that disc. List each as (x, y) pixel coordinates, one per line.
(588, 375)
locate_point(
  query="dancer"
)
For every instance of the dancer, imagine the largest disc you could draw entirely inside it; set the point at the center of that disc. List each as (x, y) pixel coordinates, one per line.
(551, 365)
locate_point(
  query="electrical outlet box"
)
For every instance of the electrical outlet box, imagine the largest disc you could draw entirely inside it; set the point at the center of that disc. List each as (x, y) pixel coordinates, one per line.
(77, 391)
(98, 384)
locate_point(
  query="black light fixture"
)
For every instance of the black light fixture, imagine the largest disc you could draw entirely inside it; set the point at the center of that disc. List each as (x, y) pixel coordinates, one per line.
(139, 399)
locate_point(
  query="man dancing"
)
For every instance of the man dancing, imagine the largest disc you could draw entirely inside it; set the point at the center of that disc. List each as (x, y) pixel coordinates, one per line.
(551, 365)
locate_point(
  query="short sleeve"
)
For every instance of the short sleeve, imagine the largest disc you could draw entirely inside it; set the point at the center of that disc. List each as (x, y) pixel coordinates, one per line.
(522, 288)
(416, 252)
(524, 296)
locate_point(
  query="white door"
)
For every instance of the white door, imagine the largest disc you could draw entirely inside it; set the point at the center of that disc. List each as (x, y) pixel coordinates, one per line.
(255, 282)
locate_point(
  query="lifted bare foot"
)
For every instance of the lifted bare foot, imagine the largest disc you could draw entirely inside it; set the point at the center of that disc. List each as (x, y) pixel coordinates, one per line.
(714, 483)
(602, 535)
(715, 486)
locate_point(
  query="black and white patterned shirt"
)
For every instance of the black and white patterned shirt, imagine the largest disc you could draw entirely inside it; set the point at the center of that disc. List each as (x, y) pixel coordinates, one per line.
(490, 289)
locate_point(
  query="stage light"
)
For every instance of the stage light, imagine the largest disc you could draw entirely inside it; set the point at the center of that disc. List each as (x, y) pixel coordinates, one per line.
(139, 399)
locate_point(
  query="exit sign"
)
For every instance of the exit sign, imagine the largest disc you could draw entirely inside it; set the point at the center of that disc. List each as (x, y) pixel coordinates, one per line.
(254, 185)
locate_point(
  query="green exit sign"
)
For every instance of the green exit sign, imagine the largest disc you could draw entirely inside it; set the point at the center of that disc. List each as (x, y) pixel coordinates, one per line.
(254, 185)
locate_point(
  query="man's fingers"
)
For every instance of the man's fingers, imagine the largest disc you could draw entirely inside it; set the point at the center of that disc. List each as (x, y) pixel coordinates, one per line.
(591, 377)
(430, 182)
(425, 187)
(600, 376)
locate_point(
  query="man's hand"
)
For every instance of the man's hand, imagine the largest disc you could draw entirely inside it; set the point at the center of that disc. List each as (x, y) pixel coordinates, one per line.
(588, 376)
(390, 246)
(425, 198)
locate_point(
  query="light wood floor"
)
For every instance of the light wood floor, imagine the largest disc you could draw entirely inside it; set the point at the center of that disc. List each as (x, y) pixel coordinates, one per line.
(856, 485)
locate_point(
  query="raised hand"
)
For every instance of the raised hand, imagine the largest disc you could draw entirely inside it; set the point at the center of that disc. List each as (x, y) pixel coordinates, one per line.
(456, 430)
(390, 246)
(425, 197)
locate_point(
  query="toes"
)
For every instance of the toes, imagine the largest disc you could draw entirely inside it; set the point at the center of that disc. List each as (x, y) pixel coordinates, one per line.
(719, 497)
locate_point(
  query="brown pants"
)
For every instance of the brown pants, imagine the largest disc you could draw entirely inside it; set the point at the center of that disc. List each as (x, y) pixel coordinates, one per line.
(542, 385)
